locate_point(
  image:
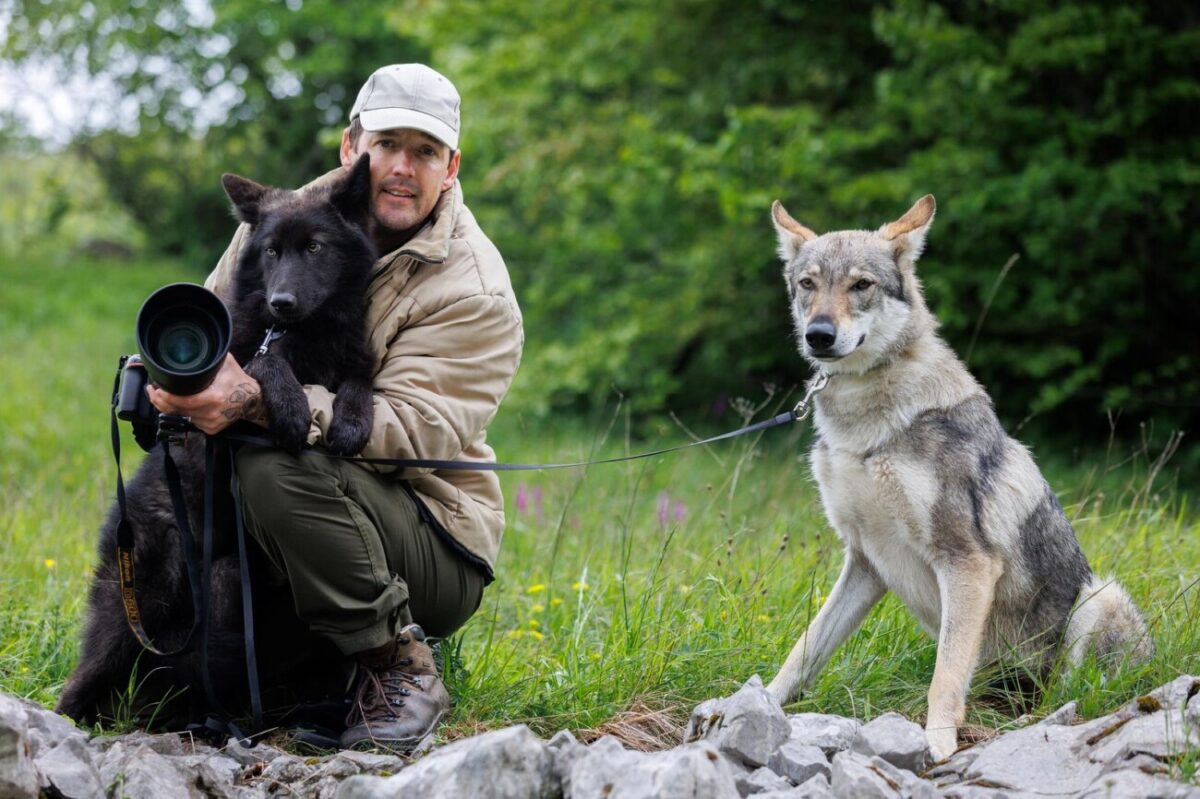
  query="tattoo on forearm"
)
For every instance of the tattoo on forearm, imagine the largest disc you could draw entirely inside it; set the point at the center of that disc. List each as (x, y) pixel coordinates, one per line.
(246, 402)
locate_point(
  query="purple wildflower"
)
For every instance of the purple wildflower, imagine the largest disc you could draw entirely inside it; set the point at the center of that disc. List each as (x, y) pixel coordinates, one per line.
(522, 498)
(680, 511)
(664, 508)
(537, 502)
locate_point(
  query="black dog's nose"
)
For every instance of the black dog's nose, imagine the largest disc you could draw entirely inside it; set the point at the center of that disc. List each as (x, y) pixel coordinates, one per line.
(281, 301)
(820, 334)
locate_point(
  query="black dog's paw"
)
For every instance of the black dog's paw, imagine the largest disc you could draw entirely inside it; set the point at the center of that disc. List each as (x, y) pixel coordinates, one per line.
(78, 698)
(347, 436)
(353, 418)
(289, 427)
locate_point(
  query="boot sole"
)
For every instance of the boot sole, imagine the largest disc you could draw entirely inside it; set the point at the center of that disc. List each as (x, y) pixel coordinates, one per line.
(398, 745)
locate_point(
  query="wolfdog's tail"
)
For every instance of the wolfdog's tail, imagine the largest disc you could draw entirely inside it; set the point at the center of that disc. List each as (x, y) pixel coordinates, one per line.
(1106, 621)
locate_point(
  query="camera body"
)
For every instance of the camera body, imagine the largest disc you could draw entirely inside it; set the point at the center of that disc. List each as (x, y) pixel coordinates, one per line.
(130, 400)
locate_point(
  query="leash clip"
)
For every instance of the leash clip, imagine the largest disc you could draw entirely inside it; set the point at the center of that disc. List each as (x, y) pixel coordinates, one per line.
(266, 343)
(804, 407)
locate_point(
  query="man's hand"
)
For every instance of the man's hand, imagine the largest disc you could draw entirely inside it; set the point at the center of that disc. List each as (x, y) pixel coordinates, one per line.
(232, 395)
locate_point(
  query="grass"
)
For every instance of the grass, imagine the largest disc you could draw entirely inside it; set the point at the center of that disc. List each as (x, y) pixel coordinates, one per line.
(625, 593)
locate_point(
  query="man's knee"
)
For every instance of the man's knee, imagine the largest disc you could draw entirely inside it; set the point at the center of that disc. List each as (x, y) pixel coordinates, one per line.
(272, 481)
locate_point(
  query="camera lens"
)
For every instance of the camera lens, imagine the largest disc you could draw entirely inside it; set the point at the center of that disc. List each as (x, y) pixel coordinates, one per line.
(183, 346)
(183, 333)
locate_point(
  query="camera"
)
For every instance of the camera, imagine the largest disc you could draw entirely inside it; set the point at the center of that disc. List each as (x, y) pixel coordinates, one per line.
(183, 333)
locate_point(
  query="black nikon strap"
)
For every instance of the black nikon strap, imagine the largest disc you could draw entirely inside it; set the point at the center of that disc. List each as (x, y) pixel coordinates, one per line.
(125, 546)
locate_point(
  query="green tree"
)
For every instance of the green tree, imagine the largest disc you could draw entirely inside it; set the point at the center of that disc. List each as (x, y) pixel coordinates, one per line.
(262, 89)
(632, 153)
(624, 156)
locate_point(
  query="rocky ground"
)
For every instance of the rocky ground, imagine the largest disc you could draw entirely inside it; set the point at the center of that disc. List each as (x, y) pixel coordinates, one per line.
(737, 746)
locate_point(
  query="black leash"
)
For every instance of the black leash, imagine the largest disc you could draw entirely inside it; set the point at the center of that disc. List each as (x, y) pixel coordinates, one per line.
(797, 414)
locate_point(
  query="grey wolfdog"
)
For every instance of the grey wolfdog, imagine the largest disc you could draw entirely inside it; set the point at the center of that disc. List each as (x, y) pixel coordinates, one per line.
(930, 497)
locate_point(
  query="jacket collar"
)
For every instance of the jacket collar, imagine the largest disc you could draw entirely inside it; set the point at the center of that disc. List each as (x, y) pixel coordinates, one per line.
(431, 243)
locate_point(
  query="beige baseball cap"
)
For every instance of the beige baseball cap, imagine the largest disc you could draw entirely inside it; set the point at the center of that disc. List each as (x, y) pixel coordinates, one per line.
(409, 96)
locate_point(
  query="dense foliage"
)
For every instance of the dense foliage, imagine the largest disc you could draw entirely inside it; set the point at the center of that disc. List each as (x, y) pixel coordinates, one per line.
(624, 156)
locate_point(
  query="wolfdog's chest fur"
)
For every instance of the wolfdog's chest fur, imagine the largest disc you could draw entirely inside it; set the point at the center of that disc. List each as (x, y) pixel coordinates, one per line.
(915, 471)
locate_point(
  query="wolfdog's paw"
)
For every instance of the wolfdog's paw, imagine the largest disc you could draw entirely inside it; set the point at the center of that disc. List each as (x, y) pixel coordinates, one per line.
(707, 716)
(347, 436)
(943, 742)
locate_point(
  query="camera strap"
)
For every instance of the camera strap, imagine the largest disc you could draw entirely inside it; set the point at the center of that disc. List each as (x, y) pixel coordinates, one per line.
(199, 576)
(125, 550)
(256, 708)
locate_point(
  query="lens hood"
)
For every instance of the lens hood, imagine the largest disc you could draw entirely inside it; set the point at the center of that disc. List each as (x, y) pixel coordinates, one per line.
(183, 333)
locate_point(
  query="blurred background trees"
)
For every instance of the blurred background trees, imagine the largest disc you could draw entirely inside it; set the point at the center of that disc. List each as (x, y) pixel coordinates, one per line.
(624, 156)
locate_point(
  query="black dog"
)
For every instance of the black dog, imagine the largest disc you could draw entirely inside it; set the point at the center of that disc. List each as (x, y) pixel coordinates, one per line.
(304, 270)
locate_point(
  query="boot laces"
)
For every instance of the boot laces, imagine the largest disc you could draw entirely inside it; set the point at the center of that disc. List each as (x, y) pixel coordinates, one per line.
(379, 694)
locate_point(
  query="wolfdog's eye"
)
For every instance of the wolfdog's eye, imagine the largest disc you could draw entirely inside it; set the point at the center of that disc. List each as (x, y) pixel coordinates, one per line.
(271, 252)
(807, 284)
(314, 246)
(862, 285)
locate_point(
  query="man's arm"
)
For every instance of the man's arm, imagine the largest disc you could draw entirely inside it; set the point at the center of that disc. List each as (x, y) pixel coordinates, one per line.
(440, 383)
(232, 395)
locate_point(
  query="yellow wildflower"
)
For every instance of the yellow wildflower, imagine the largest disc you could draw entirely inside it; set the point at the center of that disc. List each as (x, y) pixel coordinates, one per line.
(536, 588)
(534, 624)
(536, 635)
(555, 602)
(49, 563)
(763, 617)
(537, 608)
(580, 586)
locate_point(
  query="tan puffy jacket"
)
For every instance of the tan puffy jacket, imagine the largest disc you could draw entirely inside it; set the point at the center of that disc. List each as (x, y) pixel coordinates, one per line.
(446, 331)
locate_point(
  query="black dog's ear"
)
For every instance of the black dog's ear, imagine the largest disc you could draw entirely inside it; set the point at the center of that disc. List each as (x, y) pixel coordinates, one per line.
(246, 196)
(352, 195)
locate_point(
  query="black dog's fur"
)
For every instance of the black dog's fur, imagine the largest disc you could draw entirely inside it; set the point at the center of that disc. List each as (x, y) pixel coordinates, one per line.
(309, 249)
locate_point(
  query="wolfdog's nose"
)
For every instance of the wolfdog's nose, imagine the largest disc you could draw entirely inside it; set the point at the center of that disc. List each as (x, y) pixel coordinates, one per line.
(820, 334)
(282, 301)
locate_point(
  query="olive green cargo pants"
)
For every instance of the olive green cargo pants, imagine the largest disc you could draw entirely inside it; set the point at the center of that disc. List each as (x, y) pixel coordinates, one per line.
(361, 560)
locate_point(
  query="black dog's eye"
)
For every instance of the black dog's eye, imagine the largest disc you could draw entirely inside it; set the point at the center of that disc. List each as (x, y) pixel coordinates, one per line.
(807, 284)
(271, 252)
(862, 285)
(314, 246)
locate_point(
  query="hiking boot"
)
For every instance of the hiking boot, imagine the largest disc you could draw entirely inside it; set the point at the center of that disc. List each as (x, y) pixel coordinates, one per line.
(400, 698)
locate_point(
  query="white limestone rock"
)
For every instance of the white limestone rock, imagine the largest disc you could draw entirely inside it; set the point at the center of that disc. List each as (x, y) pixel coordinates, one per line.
(895, 739)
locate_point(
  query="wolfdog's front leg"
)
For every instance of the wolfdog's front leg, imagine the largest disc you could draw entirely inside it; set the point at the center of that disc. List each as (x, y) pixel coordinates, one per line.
(856, 591)
(966, 588)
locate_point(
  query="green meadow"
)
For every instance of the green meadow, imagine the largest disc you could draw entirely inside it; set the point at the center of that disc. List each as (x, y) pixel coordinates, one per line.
(625, 594)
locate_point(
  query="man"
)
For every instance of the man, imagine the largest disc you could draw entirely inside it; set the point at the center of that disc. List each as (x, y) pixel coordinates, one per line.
(375, 559)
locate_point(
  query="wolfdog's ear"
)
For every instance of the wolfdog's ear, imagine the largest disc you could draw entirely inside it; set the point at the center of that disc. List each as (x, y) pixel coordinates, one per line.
(246, 196)
(792, 234)
(352, 195)
(908, 232)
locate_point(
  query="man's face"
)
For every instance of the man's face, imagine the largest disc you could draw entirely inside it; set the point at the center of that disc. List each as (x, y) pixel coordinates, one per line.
(409, 171)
